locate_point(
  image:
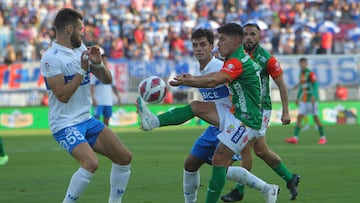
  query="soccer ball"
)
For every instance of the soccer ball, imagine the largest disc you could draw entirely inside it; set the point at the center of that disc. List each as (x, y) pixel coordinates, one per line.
(152, 89)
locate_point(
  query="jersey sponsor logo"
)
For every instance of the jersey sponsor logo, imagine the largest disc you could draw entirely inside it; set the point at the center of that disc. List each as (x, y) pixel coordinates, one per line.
(214, 93)
(238, 134)
(238, 89)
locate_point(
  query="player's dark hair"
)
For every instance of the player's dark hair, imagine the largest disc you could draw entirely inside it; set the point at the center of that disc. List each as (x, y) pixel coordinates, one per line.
(302, 59)
(231, 29)
(252, 25)
(66, 16)
(198, 33)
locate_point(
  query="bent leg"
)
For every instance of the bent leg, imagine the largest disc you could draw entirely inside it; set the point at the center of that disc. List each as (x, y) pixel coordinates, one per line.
(109, 145)
(81, 178)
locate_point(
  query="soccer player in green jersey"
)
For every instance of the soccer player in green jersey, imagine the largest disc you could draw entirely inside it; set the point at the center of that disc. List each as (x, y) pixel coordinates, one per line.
(3, 156)
(269, 67)
(307, 101)
(238, 125)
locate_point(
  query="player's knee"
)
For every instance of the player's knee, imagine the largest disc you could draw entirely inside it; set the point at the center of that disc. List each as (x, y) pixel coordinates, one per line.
(192, 165)
(122, 157)
(261, 150)
(189, 167)
(259, 153)
(91, 165)
(125, 158)
(195, 107)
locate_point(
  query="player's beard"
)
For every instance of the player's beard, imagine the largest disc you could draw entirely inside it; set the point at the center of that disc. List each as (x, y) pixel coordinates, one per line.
(75, 41)
(250, 47)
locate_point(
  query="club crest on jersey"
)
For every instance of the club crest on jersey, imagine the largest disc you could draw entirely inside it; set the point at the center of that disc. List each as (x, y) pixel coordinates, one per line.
(47, 65)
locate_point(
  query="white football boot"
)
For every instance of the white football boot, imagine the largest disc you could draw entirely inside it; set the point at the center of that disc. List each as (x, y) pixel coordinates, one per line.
(145, 115)
(271, 194)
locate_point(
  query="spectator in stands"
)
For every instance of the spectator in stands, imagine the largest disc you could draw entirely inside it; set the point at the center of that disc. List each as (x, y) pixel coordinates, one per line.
(10, 56)
(341, 93)
(29, 19)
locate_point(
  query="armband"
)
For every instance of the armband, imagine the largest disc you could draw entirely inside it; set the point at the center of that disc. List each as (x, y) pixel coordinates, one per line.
(82, 72)
(100, 65)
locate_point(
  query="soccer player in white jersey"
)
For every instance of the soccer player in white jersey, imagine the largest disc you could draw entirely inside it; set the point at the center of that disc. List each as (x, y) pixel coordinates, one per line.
(102, 95)
(66, 66)
(204, 147)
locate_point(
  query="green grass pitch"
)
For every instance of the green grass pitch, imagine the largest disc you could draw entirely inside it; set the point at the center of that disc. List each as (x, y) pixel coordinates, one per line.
(39, 171)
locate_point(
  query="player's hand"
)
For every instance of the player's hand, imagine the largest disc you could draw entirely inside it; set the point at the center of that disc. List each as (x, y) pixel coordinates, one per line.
(285, 119)
(175, 82)
(94, 55)
(179, 79)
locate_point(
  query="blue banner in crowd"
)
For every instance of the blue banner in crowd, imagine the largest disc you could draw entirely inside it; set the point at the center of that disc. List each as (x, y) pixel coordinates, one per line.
(163, 68)
(330, 70)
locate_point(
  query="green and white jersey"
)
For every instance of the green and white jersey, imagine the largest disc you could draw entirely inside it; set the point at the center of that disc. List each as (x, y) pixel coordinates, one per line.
(244, 88)
(308, 86)
(269, 67)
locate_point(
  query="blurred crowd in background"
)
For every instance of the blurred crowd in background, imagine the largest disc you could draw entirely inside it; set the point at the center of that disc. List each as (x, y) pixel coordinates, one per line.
(161, 29)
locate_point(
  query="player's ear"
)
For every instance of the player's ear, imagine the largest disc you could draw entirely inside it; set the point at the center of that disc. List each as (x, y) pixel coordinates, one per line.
(212, 46)
(69, 29)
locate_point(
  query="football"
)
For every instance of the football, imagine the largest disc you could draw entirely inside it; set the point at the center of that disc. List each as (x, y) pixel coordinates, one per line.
(152, 89)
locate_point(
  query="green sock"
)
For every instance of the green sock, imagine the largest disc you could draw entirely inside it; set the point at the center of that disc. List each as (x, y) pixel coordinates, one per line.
(240, 188)
(216, 184)
(2, 151)
(283, 172)
(321, 131)
(297, 131)
(176, 116)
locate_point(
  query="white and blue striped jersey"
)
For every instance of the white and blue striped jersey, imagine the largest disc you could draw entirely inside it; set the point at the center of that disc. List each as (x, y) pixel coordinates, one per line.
(62, 60)
(218, 94)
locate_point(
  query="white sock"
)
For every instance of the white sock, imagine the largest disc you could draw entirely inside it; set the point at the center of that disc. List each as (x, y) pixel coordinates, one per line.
(78, 183)
(191, 183)
(241, 175)
(119, 178)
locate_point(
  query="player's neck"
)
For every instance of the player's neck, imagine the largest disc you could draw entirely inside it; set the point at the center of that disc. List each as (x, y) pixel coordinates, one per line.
(64, 42)
(203, 63)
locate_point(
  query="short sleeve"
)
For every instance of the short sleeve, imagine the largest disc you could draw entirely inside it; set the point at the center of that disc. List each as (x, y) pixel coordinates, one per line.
(273, 67)
(233, 67)
(50, 66)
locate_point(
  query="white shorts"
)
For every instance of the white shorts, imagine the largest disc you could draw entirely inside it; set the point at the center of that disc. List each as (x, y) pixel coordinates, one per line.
(265, 122)
(234, 134)
(306, 108)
